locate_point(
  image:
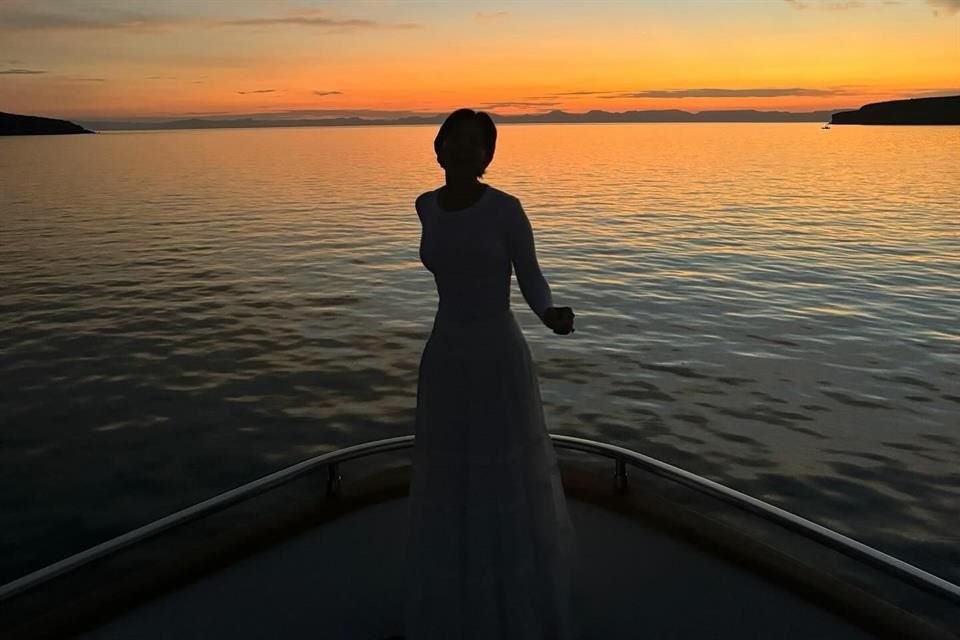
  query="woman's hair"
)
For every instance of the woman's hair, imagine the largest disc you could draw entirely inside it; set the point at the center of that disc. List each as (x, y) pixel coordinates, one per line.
(486, 125)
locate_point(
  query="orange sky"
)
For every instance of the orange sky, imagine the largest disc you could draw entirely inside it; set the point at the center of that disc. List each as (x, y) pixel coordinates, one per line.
(99, 59)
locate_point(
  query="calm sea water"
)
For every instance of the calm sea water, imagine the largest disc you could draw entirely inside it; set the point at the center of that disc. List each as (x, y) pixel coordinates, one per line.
(773, 306)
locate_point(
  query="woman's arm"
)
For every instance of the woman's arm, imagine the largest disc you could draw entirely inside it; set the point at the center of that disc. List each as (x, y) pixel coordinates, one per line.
(523, 254)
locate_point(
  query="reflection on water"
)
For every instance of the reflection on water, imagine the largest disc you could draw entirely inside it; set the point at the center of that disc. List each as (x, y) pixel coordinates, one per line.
(773, 306)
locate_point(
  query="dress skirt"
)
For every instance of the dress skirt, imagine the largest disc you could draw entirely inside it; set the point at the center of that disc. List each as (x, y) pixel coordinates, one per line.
(490, 548)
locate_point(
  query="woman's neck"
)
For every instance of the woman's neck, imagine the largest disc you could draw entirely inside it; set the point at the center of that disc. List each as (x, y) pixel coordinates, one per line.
(455, 196)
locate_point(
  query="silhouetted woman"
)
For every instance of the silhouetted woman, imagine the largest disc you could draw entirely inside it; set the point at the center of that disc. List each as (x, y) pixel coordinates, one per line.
(490, 550)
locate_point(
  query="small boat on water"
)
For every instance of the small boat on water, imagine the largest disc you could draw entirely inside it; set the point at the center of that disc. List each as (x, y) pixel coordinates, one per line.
(315, 550)
(826, 125)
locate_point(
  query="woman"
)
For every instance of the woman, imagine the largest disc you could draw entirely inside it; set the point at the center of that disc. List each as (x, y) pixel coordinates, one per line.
(490, 552)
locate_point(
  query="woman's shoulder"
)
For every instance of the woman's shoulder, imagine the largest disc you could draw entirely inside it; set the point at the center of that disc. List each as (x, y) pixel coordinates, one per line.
(506, 204)
(424, 197)
(423, 202)
(502, 195)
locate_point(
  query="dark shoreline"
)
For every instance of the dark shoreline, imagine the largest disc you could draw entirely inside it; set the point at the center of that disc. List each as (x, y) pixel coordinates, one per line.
(915, 111)
(12, 124)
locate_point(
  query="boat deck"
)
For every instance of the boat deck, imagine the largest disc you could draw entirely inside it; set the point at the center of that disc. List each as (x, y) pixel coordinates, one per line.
(345, 581)
(286, 558)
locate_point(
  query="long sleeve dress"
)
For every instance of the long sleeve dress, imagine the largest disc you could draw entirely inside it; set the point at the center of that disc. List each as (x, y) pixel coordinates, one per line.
(490, 548)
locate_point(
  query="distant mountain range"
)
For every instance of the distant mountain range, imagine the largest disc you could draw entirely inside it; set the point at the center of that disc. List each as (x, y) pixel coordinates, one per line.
(12, 124)
(941, 110)
(938, 110)
(660, 115)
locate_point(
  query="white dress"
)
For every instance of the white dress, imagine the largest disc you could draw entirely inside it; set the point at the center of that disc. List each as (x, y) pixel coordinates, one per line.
(490, 549)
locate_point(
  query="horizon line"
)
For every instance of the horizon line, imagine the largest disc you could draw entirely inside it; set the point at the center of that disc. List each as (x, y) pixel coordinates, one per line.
(342, 114)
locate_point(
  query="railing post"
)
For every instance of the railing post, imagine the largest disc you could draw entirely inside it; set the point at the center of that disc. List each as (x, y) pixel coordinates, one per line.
(620, 475)
(333, 480)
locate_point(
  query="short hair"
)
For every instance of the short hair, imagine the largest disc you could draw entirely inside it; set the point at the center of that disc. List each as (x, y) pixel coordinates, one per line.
(480, 117)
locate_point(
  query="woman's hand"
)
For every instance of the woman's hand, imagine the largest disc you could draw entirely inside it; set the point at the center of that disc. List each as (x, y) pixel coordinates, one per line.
(560, 319)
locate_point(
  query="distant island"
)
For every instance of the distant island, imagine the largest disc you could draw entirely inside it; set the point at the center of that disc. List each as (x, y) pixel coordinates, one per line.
(915, 111)
(661, 115)
(12, 124)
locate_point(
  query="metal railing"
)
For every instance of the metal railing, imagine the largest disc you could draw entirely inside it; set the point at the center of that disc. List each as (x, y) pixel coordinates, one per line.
(844, 544)
(620, 455)
(331, 460)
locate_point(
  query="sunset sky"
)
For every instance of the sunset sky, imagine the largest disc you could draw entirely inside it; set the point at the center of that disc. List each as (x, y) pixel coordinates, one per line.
(102, 59)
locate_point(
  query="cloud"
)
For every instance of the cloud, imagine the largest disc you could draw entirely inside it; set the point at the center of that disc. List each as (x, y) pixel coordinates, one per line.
(500, 105)
(768, 92)
(826, 5)
(14, 18)
(949, 7)
(358, 113)
(567, 93)
(295, 114)
(315, 21)
(934, 93)
(161, 78)
(31, 72)
(729, 93)
(484, 16)
(243, 93)
(580, 93)
(328, 93)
